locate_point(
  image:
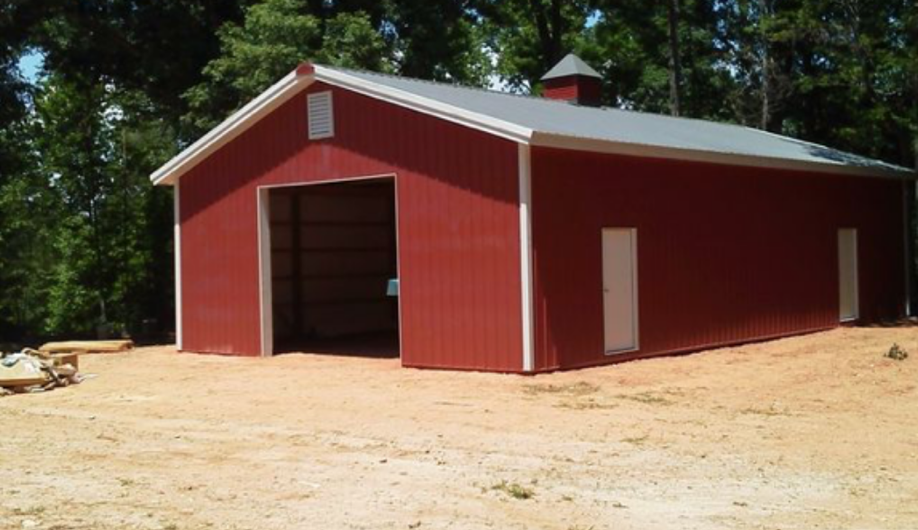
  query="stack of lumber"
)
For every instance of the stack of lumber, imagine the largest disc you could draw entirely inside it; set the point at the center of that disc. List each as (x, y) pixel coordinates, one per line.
(87, 346)
(54, 364)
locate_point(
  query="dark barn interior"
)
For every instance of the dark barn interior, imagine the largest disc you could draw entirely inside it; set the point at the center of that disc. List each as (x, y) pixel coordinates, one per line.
(333, 253)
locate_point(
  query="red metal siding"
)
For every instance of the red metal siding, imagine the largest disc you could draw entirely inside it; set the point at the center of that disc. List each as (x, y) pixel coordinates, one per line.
(725, 254)
(557, 89)
(458, 228)
(582, 89)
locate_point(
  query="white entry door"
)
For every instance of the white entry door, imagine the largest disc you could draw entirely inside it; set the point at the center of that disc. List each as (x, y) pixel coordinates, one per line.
(619, 288)
(847, 274)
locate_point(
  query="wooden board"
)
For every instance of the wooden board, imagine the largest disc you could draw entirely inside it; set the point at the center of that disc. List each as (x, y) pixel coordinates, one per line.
(18, 375)
(70, 358)
(88, 346)
(12, 383)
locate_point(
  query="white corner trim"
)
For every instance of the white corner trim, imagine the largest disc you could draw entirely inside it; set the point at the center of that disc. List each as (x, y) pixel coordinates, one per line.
(525, 183)
(265, 293)
(177, 253)
(278, 94)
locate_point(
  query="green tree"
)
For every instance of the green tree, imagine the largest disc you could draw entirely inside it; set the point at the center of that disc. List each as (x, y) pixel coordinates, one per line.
(107, 236)
(838, 72)
(661, 56)
(531, 36)
(72, 143)
(17, 18)
(157, 48)
(27, 210)
(441, 40)
(274, 38)
(22, 204)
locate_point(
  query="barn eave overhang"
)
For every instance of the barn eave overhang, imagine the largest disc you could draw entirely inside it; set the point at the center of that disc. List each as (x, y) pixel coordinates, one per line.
(301, 78)
(721, 158)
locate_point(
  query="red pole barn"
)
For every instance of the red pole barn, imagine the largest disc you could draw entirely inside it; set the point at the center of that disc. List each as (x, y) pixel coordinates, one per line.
(345, 211)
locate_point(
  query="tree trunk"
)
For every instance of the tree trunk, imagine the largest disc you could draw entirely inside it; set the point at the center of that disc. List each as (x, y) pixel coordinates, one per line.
(766, 89)
(550, 27)
(675, 64)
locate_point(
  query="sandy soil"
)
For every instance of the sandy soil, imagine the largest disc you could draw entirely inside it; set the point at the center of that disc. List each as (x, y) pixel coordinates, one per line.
(818, 431)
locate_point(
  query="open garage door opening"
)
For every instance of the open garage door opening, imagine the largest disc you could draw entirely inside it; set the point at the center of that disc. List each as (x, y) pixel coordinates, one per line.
(334, 268)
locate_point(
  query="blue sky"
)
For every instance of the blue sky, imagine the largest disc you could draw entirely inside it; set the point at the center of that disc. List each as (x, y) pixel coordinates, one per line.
(30, 65)
(593, 18)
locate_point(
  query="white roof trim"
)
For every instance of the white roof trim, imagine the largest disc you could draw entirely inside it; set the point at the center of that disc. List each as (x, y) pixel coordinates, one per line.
(230, 128)
(298, 80)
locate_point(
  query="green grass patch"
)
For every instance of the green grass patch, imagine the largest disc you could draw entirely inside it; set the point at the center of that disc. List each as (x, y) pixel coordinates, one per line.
(512, 489)
(580, 388)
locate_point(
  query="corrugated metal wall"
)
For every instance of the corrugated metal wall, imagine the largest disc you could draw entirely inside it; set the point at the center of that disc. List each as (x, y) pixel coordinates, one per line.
(725, 254)
(458, 228)
(585, 89)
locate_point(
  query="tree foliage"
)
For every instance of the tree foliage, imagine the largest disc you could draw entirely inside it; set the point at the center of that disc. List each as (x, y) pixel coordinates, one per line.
(97, 236)
(530, 36)
(273, 39)
(85, 240)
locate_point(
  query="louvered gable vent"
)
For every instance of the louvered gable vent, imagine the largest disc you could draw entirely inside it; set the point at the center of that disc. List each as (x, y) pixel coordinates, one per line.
(321, 115)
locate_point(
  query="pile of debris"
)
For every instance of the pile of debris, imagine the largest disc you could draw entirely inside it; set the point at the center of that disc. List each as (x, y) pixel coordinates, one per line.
(36, 371)
(56, 364)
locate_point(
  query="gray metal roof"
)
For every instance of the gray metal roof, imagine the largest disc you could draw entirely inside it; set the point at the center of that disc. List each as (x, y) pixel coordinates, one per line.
(618, 126)
(571, 65)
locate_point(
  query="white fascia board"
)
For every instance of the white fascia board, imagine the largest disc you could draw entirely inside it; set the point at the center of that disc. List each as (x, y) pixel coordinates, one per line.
(474, 120)
(711, 157)
(230, 128)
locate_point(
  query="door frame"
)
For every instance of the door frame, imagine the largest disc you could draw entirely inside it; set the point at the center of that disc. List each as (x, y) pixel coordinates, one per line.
(265, 280)
(634, 291)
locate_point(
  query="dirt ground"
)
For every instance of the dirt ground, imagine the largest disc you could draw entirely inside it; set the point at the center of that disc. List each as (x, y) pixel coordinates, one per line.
(819, 431)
